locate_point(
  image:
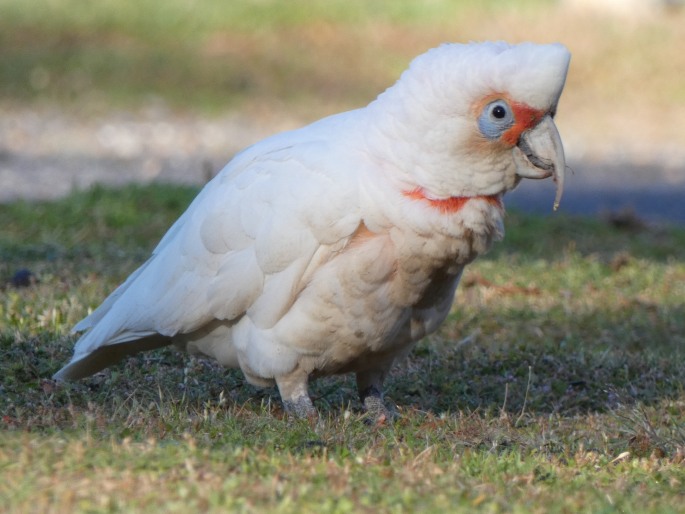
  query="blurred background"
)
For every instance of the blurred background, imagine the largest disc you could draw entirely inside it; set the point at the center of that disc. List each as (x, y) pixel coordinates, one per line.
(113, 91)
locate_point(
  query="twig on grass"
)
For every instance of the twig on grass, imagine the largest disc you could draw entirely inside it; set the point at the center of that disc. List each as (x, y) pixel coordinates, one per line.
(525, 398)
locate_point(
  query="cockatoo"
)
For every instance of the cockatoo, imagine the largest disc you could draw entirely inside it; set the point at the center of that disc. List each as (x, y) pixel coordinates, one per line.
(335, 247)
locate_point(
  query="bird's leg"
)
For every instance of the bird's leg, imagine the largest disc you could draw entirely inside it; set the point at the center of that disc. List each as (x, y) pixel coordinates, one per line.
(293, 389)
(370, 387)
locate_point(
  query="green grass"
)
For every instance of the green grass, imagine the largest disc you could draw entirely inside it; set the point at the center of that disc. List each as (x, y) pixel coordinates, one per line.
(556, 385)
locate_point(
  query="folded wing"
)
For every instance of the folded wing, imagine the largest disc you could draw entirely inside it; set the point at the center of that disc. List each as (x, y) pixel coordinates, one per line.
(242, 248)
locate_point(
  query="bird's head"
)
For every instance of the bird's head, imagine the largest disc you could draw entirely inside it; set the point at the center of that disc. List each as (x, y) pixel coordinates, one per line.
(481, 115)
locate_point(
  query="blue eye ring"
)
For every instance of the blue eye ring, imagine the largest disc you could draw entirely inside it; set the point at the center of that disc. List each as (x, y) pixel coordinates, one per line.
(496, 118)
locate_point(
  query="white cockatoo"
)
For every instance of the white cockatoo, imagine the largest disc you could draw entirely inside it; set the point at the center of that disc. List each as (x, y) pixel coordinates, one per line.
(335, 247)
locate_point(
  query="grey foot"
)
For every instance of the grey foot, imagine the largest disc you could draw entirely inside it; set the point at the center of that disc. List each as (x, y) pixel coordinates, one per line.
(375, 407)
(370, 387)
(293, 389)
(301, 407)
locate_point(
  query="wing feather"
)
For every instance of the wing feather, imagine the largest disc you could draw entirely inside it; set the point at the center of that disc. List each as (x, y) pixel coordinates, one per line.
(242, 247)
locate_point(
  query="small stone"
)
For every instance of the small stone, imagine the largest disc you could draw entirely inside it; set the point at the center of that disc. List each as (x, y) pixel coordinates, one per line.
(23, 278)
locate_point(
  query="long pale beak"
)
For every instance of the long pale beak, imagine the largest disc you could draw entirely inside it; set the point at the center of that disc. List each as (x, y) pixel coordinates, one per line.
(540, 154)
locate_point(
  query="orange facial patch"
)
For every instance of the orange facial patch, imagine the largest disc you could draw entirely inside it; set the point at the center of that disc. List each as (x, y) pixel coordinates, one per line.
(452, 204)
(525, 117)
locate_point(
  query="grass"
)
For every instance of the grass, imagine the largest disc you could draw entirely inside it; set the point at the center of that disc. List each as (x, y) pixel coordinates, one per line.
(556, 385)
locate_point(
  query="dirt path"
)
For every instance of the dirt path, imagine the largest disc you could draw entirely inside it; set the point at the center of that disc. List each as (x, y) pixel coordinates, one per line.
(46, 153)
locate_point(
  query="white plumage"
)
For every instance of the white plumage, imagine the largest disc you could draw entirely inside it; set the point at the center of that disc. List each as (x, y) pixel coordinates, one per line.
(335, 247)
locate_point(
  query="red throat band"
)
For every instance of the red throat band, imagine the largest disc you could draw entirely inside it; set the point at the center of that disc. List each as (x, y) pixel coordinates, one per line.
(452, 204)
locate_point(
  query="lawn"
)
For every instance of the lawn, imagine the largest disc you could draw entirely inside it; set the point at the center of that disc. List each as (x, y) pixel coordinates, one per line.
(556, 385)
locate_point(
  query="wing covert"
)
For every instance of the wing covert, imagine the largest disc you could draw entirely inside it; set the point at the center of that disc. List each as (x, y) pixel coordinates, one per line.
(242, 247)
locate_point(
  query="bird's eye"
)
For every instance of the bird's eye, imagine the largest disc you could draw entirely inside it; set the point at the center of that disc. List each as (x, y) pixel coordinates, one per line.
(499, 112)
(495, 119)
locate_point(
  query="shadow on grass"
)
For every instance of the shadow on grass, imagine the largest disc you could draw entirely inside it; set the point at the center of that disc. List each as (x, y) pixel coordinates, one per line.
(550, 374)
(567, 376)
